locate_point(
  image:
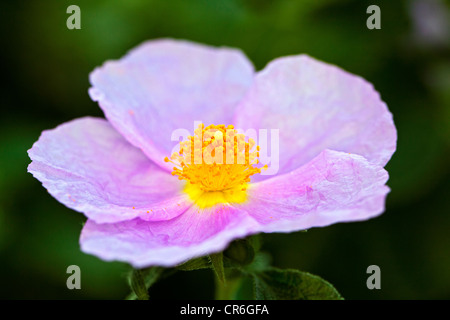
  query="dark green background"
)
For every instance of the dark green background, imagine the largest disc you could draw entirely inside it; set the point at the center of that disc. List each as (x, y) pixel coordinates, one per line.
(45, 72)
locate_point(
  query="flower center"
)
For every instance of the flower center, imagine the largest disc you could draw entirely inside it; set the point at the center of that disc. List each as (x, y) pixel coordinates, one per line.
(217, 162)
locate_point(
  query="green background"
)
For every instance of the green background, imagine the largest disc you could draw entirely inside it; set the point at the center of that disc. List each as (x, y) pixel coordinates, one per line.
(45, 72)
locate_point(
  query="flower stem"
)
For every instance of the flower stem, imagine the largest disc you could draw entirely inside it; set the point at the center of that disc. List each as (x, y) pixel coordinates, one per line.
(229, 290)
(138, 285)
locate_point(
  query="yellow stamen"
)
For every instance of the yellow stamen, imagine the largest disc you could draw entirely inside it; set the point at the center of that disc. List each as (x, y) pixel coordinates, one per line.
(217, 162)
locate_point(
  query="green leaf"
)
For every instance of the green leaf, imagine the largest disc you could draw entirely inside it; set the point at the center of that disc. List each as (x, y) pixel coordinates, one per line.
(217, 264)
(195, 264)
(290, 284)
(141, 280)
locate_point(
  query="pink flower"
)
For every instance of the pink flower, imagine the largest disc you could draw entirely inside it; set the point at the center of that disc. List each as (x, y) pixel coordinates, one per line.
(335, 133)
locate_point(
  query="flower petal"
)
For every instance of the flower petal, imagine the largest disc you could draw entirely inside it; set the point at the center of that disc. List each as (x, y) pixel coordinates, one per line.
(89, 167)
(317, 106)
(164, 85)
(333, 187)
(167, 243)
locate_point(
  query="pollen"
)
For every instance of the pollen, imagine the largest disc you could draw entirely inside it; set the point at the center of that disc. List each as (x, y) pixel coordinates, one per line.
(216, 159)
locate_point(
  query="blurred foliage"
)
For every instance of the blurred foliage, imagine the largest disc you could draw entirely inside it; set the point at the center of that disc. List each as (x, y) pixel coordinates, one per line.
(46, 69)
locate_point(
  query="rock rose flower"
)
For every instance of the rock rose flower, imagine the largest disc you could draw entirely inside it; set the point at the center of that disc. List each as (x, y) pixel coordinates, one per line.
(147, 205)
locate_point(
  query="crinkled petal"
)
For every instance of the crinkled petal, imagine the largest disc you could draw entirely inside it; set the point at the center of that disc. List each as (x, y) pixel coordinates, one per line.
(167, 243)
(333, 187)
(164, 85)
(317, 106)
(89, 167)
